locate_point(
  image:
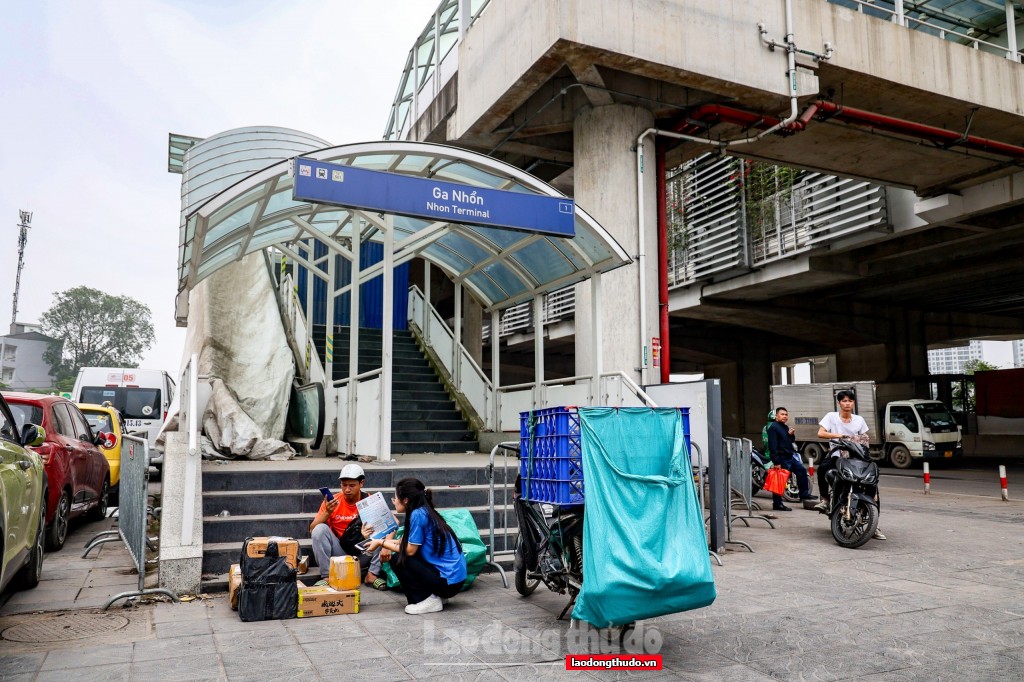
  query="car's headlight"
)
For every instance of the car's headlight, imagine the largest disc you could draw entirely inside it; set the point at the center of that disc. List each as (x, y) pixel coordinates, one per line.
(928, 445)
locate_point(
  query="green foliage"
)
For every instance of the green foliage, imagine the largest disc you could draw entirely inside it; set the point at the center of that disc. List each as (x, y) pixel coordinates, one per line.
(972, 366)
(94, 329)
(962, 403)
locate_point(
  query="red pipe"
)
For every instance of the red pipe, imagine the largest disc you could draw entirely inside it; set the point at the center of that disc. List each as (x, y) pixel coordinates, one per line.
(659, 163)
(927, 132)
(716, 113)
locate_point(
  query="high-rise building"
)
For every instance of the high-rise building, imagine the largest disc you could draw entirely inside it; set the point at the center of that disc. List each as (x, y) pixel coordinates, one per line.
(952, 360)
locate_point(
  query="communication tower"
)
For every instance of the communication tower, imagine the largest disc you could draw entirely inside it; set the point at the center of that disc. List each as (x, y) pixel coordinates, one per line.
(26, 221)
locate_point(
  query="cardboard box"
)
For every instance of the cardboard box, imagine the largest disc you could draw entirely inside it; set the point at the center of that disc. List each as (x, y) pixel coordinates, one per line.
(303, 566)
(286, 547)
(234, 582)
(323, 601)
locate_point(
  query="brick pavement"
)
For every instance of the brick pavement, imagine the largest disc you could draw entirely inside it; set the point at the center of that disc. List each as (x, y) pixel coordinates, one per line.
(940, 600)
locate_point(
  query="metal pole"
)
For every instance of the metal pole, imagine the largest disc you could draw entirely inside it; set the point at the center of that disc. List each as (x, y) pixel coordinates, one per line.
(425, 322)
(387, 334)
(353, 331)
(496, 366)
(538, 350)
(1011, 33)
(457, 345)
(595, 337)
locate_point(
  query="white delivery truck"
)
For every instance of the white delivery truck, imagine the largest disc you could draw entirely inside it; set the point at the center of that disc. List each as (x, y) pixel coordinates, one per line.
(905, 431)
(142, 396)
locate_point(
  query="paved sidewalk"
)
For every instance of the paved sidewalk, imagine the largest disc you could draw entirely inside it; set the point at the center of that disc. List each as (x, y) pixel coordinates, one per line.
(940, 600)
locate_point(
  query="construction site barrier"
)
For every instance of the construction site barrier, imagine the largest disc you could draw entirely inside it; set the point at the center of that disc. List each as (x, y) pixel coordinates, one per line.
(133, 515)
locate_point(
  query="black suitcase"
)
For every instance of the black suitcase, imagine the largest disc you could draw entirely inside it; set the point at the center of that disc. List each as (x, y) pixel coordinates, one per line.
(269, 589)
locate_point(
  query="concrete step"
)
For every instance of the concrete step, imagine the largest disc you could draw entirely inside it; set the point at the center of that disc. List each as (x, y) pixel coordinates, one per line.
(217, 529)
(327, 475)
(406, 447)
(249, 502)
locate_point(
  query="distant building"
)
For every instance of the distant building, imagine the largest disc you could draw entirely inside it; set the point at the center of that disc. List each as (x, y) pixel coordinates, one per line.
(22, 366)
(952, 360)
(1018, 353)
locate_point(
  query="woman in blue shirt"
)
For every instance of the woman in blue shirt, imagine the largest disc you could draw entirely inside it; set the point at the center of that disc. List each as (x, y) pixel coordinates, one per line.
(428, 560)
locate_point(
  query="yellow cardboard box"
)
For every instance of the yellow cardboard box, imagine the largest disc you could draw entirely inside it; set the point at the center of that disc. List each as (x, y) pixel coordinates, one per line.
(323, 601)
(234, 582)
(286, 547)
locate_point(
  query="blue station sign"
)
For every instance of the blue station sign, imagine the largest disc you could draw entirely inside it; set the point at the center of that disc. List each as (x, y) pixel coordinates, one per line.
(331, 183)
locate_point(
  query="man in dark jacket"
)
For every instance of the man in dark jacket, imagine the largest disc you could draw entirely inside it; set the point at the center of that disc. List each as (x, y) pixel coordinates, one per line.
(781, 441)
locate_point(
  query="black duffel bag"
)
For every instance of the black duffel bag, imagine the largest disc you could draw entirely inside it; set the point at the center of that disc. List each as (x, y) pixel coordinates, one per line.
(269, 590)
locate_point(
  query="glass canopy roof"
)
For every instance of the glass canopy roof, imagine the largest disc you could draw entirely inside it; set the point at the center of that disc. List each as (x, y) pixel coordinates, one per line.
(501, 267)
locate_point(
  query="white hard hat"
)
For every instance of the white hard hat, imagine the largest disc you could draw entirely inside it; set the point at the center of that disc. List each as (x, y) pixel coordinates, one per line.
(353, 471)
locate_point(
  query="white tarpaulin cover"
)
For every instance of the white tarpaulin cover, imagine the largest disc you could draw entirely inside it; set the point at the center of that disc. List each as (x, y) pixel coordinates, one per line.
(235, 329)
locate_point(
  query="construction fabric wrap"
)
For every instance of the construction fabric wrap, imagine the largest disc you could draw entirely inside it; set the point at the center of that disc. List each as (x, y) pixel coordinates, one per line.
(644, 549)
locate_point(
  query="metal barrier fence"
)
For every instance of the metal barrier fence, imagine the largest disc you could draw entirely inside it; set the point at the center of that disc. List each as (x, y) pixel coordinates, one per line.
(506, 448)
(133, 515)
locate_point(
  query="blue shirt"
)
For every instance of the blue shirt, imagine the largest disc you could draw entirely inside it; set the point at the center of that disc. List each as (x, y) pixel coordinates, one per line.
(451, 563)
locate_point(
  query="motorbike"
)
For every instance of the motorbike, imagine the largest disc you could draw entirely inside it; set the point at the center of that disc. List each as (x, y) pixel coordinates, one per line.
(549, 548)
(758, 470)
(853, 504)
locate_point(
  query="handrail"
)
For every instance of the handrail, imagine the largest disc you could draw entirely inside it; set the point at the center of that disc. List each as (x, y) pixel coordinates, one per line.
(895, 17)
(633, 386)
(191, 380)
(368, 374)
(463, 353)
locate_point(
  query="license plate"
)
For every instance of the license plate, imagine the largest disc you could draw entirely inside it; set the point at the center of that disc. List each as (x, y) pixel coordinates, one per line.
(948, 453)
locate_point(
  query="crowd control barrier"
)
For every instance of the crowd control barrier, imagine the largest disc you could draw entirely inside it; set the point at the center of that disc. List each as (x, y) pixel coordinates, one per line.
(740, 479)
(132, 516)
(506, 503)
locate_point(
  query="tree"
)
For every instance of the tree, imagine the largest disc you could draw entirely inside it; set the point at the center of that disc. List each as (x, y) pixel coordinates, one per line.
(970, 367)
(95, 329)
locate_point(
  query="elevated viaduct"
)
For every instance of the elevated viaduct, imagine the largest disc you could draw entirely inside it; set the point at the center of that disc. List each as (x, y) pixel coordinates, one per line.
(599, 98)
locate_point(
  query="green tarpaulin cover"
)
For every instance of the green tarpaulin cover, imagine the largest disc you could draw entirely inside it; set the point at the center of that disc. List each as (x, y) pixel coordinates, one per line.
(644, 549)
(461, 521)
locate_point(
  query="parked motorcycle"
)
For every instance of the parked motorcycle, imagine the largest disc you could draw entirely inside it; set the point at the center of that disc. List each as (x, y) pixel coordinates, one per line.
(758, 471)
(549, 548)
(853, 504)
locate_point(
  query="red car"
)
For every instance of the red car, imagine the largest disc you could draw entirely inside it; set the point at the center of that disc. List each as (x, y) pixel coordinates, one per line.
(77, 472)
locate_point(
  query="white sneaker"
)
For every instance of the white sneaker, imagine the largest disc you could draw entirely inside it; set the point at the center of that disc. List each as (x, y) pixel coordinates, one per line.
(431, 604)
(878, 535)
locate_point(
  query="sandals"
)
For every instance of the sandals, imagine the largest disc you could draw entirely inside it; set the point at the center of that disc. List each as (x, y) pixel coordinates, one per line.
(380, 584)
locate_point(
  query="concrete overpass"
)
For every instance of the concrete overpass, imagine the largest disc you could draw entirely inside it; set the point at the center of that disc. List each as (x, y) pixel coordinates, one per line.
(568, 88)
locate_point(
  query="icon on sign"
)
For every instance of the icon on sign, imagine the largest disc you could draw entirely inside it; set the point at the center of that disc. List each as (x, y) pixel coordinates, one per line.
(338, 176)
(304, 170)
(564, 207)
(321, 173)
(147, 410)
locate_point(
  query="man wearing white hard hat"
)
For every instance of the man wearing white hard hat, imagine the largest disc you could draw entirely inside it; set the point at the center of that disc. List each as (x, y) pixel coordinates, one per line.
(336, 528)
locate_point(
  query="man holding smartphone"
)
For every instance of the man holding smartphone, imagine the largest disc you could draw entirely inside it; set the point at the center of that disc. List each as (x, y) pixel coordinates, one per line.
(336, 528)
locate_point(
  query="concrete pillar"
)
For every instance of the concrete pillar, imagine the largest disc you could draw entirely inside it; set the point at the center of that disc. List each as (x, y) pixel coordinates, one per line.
(606, 187)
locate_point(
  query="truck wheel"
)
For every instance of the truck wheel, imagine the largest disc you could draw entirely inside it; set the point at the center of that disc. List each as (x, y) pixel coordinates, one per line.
(900, 457)
(813, 452)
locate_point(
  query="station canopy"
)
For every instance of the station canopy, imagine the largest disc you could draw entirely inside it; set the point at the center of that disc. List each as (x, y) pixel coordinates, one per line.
(501, 266)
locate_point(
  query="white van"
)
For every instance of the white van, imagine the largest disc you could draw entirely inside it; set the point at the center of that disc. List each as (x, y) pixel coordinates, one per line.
(142, 396)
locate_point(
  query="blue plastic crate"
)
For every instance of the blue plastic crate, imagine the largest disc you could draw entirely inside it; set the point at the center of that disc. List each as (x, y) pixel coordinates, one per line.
(551, 456)
(551, 464)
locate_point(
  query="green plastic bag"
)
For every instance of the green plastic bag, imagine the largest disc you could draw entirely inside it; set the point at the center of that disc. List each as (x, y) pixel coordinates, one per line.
(644, 549)
(461, 521)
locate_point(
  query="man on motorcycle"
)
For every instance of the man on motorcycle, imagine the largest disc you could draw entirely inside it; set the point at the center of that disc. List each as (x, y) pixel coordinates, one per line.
(838, 425)
(781, 447)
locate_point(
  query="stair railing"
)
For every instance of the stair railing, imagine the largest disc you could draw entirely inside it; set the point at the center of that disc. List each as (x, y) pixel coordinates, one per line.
(469, 382)
(307, 360)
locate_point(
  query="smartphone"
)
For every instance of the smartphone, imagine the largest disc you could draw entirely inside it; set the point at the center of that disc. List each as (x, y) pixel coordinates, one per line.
(326, 492)
(363, 546)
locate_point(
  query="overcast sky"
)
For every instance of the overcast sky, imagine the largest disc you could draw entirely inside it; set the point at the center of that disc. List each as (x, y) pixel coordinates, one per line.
(91, 90)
